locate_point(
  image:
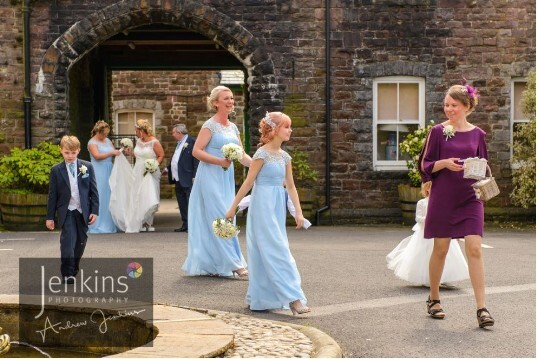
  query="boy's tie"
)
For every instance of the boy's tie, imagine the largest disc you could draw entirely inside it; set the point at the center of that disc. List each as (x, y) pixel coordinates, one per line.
(72, 168)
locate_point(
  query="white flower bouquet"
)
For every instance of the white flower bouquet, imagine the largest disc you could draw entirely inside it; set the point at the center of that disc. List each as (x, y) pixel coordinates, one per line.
(151, 166)
(225, 229)
(232, 152)
(126, 142)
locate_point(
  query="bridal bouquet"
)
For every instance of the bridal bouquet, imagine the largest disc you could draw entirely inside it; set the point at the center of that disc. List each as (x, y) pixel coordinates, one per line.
(225, 229)
(151, 166)
(126, 142)
(232, 152)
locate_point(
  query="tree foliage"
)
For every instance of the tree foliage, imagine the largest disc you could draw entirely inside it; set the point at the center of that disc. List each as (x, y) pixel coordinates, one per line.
(523, 193)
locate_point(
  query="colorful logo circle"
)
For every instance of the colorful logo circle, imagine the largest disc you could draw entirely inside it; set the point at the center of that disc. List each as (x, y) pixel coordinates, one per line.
(134, 270)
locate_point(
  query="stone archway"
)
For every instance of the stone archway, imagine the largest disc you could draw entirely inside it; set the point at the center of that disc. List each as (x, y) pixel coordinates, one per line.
(83, 36)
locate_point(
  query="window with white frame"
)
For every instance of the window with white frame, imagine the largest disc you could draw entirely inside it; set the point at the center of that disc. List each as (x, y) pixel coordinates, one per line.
(125, 120)
(518, 86)
(398, 109)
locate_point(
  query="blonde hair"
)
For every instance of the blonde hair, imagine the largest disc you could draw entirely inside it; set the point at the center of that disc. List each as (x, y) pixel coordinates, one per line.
(467, 95)
(426, 188)
(70, 142)
(145, 126)
(100, 127)
(214, 96)
(267, 131)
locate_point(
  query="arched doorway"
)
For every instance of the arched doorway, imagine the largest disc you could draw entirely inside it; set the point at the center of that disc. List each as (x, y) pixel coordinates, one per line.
(73, 80)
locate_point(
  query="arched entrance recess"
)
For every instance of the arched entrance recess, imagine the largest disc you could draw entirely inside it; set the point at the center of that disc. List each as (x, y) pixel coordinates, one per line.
(51, 99)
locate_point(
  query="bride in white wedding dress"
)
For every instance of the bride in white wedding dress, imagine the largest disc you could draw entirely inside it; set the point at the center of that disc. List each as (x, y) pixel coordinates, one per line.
(135, 192)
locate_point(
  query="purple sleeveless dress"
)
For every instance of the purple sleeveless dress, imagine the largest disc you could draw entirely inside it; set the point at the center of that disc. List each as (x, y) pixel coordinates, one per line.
(453, 210)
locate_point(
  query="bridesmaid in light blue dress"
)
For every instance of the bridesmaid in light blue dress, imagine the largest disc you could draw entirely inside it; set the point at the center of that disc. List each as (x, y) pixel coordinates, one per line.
(274, 279)
(213, 190)
(101, 152)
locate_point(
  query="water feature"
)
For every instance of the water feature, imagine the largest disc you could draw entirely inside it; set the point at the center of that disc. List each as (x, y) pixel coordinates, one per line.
(70, 341)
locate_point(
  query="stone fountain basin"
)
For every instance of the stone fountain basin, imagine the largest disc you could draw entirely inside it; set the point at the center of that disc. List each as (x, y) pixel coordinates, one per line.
(171, 332)
(122, 334)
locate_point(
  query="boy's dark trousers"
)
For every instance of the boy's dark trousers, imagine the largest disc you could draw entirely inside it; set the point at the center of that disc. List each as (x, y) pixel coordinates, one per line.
(73, 240)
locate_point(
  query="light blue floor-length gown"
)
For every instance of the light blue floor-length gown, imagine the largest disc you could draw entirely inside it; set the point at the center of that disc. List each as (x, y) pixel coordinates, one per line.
(212, 193)
(103, 168)
(274, 278)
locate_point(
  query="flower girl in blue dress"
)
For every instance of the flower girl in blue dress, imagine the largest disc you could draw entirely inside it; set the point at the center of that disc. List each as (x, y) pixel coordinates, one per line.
(274, 279)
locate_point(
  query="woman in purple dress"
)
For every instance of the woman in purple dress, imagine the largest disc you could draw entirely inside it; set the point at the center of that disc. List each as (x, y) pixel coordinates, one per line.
(454, 210)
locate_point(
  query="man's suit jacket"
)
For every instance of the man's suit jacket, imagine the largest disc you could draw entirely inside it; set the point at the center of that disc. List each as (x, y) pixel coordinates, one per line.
(186, 166)
(59, 193)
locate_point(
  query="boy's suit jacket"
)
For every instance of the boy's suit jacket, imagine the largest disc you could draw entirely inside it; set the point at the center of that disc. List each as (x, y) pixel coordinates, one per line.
(60, 191)
(187, 165)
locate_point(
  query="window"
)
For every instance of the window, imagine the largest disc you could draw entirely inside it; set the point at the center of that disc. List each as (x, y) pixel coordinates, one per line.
(518, 86)
(126, 120)
(398, 109)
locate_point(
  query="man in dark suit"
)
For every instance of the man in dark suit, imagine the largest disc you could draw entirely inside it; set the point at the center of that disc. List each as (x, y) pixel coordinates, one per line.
(73, 195)
(182, 170)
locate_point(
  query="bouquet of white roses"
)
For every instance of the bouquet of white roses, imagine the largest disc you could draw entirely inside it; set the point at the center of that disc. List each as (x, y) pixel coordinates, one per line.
(126, 142)
(225, 229)
(151, 166)
(232, 152)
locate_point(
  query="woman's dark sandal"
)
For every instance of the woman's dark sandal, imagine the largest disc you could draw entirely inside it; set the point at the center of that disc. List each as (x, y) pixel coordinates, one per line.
(437, 313)
(484, 320)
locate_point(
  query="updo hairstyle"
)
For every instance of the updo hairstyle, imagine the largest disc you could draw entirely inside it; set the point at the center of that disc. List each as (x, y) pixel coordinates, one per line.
(467, 95)
(267, 131)
(145, 126)
(100, 127)
(215, 92)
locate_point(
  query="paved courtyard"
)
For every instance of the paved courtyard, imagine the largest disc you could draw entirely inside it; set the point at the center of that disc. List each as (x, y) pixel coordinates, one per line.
(355, 299)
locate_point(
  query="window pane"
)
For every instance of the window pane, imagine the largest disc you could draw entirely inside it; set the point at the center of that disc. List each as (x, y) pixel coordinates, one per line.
(519, 87)
(387, 102)
(409, 102)
(404, 130)
(144, 116)
(124, 126)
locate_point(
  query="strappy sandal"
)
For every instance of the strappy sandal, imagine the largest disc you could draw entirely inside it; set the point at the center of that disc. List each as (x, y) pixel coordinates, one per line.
(484, 320)
(435, 313)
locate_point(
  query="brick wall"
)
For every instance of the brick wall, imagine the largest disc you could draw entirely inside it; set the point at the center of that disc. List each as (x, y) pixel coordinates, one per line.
(282, 46)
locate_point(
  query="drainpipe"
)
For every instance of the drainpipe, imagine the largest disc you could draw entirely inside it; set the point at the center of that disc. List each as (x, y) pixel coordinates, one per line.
(328, 119)
(27, 99)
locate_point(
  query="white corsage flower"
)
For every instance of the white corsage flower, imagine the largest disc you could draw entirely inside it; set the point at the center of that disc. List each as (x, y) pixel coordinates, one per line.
(83, 169)
(185, 145)
(448, 131)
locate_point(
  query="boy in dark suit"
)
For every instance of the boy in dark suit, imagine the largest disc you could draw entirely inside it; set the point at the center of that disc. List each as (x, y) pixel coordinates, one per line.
(182, 170)
(73, 194)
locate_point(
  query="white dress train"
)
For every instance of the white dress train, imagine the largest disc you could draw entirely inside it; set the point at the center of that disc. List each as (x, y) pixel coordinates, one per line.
(410, 259)
(135, 196)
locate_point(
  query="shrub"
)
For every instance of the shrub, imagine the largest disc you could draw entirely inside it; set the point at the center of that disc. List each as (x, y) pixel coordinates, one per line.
(412, 146)
(28, 170)
(523, 193)
(303, 174)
